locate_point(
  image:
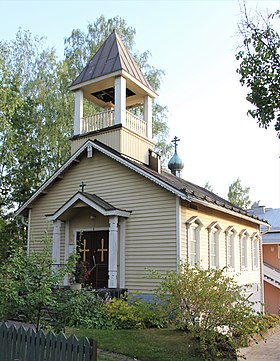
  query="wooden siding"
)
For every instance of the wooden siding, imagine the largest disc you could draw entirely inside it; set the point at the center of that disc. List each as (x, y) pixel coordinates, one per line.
(207, 216)
(150, 229)
(122, 140)
(109, 137)
(135, 146)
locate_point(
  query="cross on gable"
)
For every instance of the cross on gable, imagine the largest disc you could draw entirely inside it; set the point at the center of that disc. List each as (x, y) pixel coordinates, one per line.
(82, 185)
(175, 141)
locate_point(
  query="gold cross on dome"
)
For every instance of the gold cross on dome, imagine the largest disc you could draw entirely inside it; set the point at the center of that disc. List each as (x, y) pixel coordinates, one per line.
(84, 250)
(102, 250)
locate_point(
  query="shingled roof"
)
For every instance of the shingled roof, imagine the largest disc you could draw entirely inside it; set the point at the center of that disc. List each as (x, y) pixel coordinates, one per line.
(112, 56)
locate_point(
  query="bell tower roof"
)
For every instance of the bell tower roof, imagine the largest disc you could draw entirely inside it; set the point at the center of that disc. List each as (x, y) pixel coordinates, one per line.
(112, 59)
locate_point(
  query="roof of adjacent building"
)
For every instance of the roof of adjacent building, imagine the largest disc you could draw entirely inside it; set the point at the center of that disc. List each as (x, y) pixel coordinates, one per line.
(112, 56)
(178, 186)
(273, 217)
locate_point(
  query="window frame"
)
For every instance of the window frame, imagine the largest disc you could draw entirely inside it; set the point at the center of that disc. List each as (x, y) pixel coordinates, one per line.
(194, 224)
(230, 234)
(214, 230)
(243, 238)
(255, 246)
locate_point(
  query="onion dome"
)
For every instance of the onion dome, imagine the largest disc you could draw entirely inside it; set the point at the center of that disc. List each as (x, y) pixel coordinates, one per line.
(176, 164)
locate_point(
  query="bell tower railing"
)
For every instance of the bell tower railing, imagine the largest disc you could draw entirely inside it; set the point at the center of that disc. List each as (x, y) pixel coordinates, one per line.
(106, 119)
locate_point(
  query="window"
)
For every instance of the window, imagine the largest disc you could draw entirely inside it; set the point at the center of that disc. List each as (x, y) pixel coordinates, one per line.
(243, 249)
(194, 226)
(214, 232)
(255, 250)
(230, 249)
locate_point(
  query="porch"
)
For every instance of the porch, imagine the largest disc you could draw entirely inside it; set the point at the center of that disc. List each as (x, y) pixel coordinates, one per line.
(107, 119)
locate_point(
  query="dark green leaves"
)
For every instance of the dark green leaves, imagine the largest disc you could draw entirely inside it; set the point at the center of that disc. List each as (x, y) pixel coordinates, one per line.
(259, 68)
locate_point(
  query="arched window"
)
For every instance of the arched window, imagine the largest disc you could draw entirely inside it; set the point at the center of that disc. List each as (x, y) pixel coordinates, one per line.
(194, 226)
(243, 236)
(214, 234)
(230, 233)
(255, 250)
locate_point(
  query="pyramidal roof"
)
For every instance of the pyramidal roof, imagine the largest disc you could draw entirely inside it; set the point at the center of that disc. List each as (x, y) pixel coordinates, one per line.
(112, 56)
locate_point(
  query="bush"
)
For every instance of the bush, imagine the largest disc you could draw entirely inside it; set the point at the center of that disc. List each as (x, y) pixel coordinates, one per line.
(134, 314)
(84, 309)
(27, 284)
(210, 306)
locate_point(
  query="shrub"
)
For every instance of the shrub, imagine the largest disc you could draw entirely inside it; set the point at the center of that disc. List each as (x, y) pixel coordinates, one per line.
(210, 305)
(27, 284)
(84, 309)
(123, 315)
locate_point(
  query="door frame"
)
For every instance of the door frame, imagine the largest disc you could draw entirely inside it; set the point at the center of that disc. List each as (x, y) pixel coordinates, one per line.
(77, 230)
(96, 229)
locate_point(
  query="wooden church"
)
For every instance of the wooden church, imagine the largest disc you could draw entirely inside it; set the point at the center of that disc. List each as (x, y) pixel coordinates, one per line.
(114, 197)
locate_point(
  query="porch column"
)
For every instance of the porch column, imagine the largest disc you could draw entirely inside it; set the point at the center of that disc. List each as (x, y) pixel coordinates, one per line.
(113, 251)
(122, 252)
(120, 100)
(79, 111)
(66, 249)
(148, 115)
(56, 242)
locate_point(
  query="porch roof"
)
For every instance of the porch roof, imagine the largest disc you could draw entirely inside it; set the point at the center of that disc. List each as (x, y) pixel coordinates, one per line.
(91, 200)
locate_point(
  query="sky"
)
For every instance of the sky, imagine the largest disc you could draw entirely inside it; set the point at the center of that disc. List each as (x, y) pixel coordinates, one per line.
(195, 43)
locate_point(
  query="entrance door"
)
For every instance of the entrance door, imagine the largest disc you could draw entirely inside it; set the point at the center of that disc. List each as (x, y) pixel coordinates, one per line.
(94, 249)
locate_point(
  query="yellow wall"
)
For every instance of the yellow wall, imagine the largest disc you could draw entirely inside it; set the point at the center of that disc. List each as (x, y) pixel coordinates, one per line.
(207, 216)
(122, 140)
(150, 229)
(151, 239)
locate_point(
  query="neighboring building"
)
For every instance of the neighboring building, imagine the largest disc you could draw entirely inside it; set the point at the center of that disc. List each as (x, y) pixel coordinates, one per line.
(113, 196)
(271, 256)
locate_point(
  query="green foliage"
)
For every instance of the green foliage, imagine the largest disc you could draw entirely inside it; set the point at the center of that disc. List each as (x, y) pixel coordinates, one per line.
(27, 284)
(262, 324)
(259, 67)
(135, 314)
(84, 309)
(239, 195)
(123, 315)
(210, 306)
(13, 235)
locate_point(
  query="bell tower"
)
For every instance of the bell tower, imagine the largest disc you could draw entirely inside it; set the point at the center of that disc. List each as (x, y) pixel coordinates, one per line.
(113, 81)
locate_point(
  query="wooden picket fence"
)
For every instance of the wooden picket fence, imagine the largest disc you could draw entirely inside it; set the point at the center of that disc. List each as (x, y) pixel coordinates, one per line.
(20, 344)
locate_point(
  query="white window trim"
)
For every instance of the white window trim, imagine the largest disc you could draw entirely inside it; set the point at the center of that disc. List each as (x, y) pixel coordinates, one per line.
(244, 234)
(198, 226)
(214, 226)
(230, 234)
(255, 246)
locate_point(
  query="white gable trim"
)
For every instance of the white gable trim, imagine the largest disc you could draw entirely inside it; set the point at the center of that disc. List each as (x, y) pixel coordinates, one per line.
(90, 203)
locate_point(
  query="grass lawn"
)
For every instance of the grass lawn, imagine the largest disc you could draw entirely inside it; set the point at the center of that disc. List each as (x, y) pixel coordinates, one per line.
(144, 345)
